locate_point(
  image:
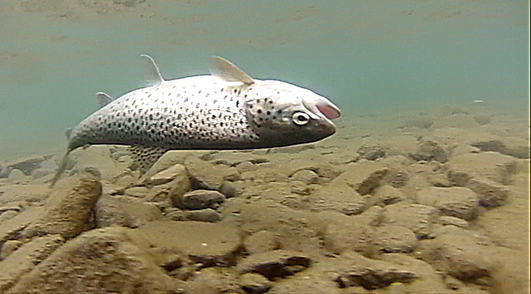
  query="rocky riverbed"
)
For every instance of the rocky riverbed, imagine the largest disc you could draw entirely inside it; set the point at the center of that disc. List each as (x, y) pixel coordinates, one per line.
(426, 202)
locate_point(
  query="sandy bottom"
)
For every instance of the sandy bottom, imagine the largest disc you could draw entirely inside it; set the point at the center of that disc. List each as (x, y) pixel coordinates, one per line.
(425, 202)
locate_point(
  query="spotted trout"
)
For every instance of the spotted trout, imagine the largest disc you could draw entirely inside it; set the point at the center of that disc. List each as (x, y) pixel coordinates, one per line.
(224, 110)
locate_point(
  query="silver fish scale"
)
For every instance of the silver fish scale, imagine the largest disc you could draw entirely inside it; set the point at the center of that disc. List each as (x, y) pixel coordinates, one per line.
(197, 112)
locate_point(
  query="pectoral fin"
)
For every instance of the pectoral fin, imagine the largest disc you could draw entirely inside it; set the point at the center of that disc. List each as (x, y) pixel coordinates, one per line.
(143, 158)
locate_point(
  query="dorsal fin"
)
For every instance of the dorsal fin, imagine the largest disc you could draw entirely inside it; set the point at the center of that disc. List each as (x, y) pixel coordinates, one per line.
(157, 76)
(68, 133)
(103, 99)
(227, 71)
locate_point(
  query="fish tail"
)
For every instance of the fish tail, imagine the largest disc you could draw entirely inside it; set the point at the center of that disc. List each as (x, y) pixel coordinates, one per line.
(60, 169)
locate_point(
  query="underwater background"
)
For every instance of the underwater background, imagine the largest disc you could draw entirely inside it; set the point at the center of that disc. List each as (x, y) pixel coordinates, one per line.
(366, 56)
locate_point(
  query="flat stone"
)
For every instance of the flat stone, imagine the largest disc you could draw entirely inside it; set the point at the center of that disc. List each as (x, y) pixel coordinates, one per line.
(202, 242)
(138, 192)
(203, 215)
(205, 175)
(9, 247)
(12, 228)
(339, 197)
(454, 201)
(16, 175)
(490, 193)
(272, 264)
(26, 165)
(167, 175)
(28, 193)
(121, 211)
(103, 261)
(386, 195)
(430, 150)
(418, 218)
(261, 241)
(349, 236)
(255, 283)
(25, 258)
(489, 165)
(363, 177)
(68, 209)
(458, 254)
(394, 239)
(453, 221)
(306, 176)
(357, 270)
(200, 199)
(371, 152)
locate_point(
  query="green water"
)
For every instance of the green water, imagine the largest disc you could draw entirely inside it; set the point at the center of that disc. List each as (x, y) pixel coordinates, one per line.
(364, 55)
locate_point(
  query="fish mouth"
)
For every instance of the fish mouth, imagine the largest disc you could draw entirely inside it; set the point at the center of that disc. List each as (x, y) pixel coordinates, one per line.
(323, 109)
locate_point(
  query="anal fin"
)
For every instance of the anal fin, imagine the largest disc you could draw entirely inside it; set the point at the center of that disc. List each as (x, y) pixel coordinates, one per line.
(144, 157)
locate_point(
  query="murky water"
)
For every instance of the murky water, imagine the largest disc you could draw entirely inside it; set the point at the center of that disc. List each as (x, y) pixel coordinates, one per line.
(366, 56)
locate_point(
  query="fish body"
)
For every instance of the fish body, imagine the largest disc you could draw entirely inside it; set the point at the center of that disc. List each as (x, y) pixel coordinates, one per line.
(225, 110)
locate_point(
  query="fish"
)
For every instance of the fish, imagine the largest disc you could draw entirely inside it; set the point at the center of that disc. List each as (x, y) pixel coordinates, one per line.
(224, 110)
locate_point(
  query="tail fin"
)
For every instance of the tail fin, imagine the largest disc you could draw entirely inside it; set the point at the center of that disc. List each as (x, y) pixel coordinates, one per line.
(60, 169)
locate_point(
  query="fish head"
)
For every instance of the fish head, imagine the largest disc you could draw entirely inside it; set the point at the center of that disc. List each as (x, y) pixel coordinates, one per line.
(285, 114)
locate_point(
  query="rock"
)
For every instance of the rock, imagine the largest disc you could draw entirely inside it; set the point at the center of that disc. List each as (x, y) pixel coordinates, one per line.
(439, 180)
(27, 165)
(357, 270)
(317, 165)
(205, 175)
(12, 228)
(213, 280)
(7, 215)
(4, 172)
(458, 254)
(306, 176)
(371, 152)
(203, 215)
(202, 242)
(230, 189)
(386, 195)
(96, 160)
(25, 258)
(453, 221)
(421, 123)
(16, 175)
(416, 217)
(394, 239)
(200, 199)
(363, 177)
(304, 285)
(234, 158)
(104, 261)
(177, 187)
(9, 247)
(24, 193)
(371, 217)
(490, 193)
(273, 264)
(121, 211)
(514, 147)
(68, 209)
(454, 201)
(349, 236)
(339, 197)
(397, 177)
(430, 150)
(429, 281)
(482, 119)
(489, 165)
(137, 192)
(261, 241)
(167, 175)
(255, 283)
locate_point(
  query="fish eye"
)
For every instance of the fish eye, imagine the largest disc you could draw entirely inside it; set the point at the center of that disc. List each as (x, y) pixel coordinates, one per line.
(300, 118)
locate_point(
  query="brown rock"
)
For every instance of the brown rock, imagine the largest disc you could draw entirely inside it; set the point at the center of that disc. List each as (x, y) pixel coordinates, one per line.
(104, 260)
(12, 228)
(357, 270)
(9, 247)
(205, 175)
(339, 197)
(349, 236)
(202, 242)
(386, 195)
(68, 209)
(200, 199)
(306, 176)
(490, 165)
(454, 201)
(167, 175)
(394, 239)
(430, 150)
(490, 193)
(363, 177)
(261, 241)
(418, 218)
(272, 264)
(255, 283)
(25, 258)
(203, 215)
(125, 212)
